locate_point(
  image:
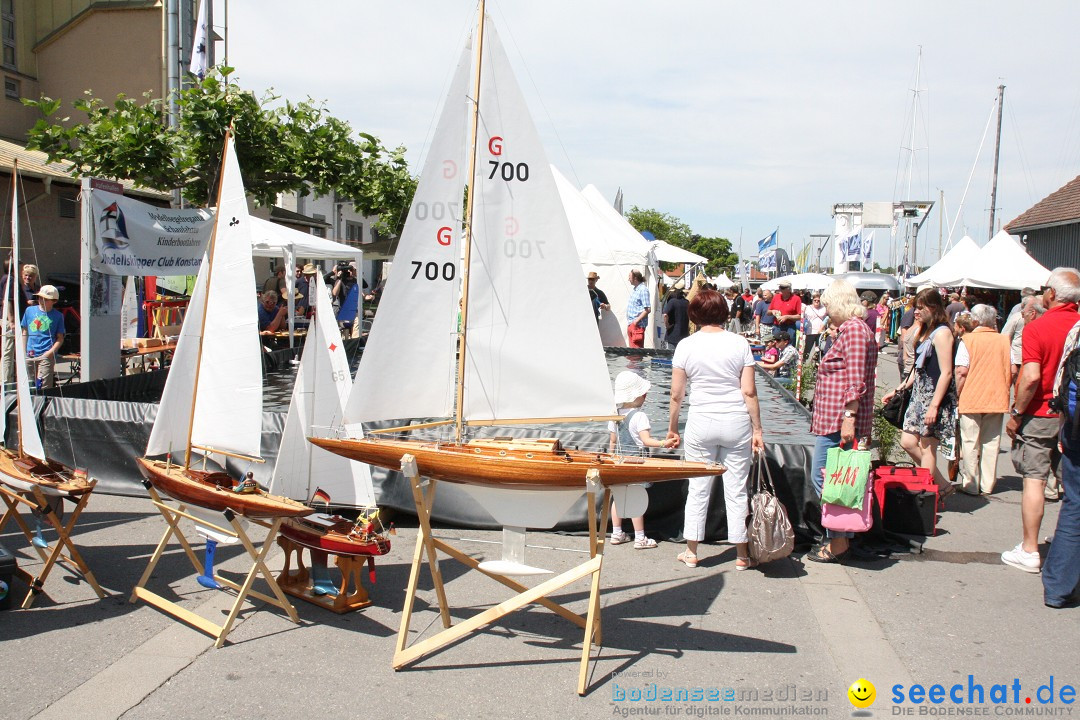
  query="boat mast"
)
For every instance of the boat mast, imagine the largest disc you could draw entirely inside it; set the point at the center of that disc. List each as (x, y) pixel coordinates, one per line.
(206, 299)
(997, 156)
(460, 395)
(14, 283)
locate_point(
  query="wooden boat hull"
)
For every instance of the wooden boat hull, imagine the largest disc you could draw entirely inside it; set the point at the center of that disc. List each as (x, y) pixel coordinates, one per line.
(536, 464)
(213, 491)
(24, 473)
(332, 534)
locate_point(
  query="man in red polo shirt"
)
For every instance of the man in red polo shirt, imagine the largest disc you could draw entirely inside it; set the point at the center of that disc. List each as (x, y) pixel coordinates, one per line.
(1032, 425)
(786, 307)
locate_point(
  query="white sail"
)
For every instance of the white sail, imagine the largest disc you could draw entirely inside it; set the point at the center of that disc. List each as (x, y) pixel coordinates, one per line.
(31, 436)
(318, 400)
(228, 397)
(526, 287)
(407, 368)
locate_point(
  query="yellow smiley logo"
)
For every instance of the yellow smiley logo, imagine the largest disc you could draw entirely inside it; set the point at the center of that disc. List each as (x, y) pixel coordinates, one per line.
(862, 693)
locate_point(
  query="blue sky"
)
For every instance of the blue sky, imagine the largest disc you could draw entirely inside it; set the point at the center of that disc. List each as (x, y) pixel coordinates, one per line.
(735, 117)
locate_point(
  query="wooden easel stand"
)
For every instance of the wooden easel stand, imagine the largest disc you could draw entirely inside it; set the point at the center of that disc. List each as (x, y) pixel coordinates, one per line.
(426, 545)
(72, 560)
(172, 516)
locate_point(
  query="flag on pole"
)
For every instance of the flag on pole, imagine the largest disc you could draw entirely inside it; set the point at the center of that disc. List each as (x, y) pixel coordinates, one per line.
(200, 55)
(802, 260)
(867, 258)
(851, 247)
(767, 252)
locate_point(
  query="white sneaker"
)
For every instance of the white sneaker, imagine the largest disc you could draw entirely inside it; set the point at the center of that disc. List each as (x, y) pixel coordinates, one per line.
(1022, 559)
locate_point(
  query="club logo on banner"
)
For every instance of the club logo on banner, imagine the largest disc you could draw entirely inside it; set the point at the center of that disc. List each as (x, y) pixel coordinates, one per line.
(136, 238)
(767, 253)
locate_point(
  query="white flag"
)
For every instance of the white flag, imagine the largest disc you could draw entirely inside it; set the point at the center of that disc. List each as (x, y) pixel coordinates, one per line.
(868, 251)
(200, 54)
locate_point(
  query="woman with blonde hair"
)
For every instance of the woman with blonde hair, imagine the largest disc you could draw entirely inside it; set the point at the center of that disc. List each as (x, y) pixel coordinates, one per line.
(843, 395)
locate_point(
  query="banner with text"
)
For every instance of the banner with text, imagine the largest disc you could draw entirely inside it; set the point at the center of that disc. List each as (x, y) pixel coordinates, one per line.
(135, 238)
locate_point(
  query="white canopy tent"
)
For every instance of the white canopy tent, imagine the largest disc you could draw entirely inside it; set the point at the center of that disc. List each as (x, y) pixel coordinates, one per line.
(950, 268)
(270, 239)
(666, 252)
(609, 246)
(802, 281)
(1004, 264)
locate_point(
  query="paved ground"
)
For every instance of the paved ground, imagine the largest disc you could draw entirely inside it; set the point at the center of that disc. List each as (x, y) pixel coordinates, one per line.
(779, 634)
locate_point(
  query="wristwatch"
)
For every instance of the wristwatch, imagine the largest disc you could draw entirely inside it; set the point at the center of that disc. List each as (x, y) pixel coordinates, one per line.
(1013, 412)
(849, 413)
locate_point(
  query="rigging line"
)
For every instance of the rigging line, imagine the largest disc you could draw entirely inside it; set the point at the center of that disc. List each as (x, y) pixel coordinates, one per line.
(1022, 155)
(540, 98)
(960, 208)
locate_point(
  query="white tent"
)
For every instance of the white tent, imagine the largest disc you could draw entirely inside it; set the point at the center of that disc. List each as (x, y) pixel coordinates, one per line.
(666, 252)
(802, 281)
(1004, 264)
(610, 247)
(951, 268)
(721, 281)
(270, 239)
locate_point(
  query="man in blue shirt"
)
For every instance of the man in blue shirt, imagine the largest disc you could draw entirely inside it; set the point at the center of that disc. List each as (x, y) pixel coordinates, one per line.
(271, 315)
(43, 332)
(637, 310)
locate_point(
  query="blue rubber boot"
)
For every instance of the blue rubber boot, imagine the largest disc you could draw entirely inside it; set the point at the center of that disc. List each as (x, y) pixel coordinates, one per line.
(38, 540)
(320, 576)
(207, 578)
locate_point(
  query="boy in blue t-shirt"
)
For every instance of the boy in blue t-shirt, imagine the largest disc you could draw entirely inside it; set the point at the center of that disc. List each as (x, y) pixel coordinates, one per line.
(43, 332)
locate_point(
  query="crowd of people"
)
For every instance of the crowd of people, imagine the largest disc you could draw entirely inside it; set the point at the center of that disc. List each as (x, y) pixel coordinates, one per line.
(967, 369)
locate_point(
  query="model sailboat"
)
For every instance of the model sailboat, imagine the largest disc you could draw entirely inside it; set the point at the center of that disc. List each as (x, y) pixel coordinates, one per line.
(511, 261)
(25, 466)
(212, 402)
(309, 474)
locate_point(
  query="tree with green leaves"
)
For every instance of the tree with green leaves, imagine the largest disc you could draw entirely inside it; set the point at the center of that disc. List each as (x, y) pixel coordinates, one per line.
(671, 229)
(290, 147)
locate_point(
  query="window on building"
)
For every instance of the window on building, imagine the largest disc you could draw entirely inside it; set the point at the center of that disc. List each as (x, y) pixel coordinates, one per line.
(67, 204)
(318, 232)
(12, 89)
(7, 33)
(354, 232)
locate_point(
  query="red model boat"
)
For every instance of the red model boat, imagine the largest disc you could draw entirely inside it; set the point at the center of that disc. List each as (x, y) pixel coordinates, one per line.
(214, 491)
(336, 535)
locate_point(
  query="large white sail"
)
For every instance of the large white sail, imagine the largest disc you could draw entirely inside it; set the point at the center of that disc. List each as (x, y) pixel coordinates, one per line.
(30, 435)
(228, 397)
(318, 400)
(532, 348)
(407, 368)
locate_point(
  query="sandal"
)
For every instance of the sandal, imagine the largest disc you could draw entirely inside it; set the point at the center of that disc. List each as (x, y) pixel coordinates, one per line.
(747, 563)
(824, 555)
(618, 538)
(644, 544)
(687, 558)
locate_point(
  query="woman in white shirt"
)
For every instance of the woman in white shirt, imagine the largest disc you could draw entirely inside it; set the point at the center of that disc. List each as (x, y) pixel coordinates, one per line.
(724, 422)
(815, 319)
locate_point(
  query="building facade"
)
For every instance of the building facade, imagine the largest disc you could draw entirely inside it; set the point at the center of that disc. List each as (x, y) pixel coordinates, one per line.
(1050, 229)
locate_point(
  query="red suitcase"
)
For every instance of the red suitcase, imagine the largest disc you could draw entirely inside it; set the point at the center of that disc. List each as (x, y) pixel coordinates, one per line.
(909, 478)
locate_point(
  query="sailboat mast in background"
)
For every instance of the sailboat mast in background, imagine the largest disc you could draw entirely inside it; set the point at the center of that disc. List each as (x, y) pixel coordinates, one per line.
(997, 156)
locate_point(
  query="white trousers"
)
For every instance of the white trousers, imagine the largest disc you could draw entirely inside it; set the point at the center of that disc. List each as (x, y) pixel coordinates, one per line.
(724, 438)
(980, 435)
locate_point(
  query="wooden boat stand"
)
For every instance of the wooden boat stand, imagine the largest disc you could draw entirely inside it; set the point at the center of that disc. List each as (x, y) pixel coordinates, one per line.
(298, 582)
(72, 561)
(172, 517)
(426, 545)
